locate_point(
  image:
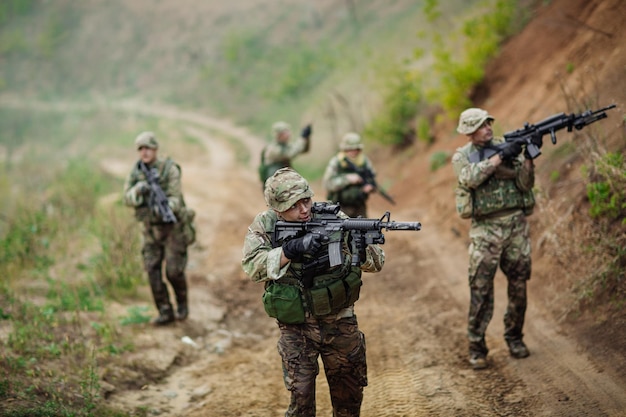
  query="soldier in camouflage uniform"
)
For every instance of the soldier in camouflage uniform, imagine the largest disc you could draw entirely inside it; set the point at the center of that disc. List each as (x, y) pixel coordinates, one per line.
(304, 335)
(279, 153)
(343, 184)
(496, 194)
(162, 242)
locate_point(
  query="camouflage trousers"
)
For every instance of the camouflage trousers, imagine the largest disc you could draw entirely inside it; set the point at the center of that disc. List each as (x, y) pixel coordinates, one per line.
(341, 346)
(165, 243)
(503, 242)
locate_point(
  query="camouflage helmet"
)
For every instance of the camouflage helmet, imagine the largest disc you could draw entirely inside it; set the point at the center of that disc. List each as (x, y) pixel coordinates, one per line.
(146, 139)
(471, 120)
(351, 141)
(285, 188)
(280, 127)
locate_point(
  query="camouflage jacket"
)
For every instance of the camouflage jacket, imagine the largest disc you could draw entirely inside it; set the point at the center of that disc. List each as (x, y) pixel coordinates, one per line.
(261, 261)
(170, 182)
(282, 153)
(502, 188)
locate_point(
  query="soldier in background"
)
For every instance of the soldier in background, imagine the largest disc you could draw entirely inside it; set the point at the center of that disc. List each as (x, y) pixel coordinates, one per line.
(163, 242)
(497, 195)
(279, 153)
(343, 183)
(304, 336)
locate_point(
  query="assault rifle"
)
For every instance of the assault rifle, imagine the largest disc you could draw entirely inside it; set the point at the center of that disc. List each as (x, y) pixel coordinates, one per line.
(363, 231)
(531, 135)
(158, 199)
(369, 178)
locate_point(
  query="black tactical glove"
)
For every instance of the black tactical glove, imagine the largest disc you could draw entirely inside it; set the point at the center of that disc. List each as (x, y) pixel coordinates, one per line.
(306, 131)
(309, 244)
(511, 151)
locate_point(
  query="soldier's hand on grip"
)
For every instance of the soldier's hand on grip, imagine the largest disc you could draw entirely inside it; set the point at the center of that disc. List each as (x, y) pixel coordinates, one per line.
(142, 188)
(309, 244)
(511, 151)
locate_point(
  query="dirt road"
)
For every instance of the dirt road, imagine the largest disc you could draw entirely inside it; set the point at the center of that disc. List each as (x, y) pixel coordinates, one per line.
(223, 361)
(413, 314)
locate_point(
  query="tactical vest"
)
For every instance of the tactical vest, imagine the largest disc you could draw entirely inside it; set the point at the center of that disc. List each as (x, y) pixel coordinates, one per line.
(492, 196)
(498, 194)
(328, 290)
(351, 195)
(143, 212)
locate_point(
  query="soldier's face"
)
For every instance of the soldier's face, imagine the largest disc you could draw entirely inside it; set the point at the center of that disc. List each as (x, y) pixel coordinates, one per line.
(483, 135)
(147, 155)
(352, 153)
(284, 136)
(299, 212)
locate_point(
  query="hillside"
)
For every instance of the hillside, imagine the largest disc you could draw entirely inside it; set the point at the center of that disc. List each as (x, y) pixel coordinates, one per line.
(222, 361)
(569, 58)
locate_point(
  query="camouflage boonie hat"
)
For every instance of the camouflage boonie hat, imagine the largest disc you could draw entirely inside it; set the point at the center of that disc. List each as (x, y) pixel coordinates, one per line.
(471, 120)
(351, 141)
(146, 139)
(280, 127)
(285, 188)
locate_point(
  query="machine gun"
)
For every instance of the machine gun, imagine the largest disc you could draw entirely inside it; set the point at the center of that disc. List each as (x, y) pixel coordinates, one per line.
(369, 178)
(531, 135)
(362, 232)
(158, 199)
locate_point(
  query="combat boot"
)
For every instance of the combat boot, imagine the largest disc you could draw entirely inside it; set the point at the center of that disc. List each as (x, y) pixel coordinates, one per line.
(166, 316)
(182, 311)
(478, 355)
(518, 349)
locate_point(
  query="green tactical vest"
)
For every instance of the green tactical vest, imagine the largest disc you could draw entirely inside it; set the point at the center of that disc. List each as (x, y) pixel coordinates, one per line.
(497, 194)
(143, 212)
(331, 289)
(351, 195)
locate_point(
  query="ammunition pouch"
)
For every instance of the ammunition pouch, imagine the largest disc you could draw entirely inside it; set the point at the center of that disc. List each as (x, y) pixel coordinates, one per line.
(284, 303)
(464, 201)
(187, 217)
(335, 296)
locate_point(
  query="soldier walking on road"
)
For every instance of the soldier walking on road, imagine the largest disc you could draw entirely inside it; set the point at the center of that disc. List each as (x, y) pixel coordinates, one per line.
(344, 185)
(304, 335)
(497, 195)
(280, 152)
(167, 228)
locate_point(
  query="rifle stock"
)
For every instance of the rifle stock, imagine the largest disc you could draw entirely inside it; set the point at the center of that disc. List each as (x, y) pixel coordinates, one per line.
(531, 134)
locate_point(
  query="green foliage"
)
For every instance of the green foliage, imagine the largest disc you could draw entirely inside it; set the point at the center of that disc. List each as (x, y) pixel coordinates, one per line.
(78, 297)
(402, 102)
(13, 8)
(136, 315)
(116, 267)
(458, 71)
(457, 67)
(26, 239)
(438, 159)
(607, 191)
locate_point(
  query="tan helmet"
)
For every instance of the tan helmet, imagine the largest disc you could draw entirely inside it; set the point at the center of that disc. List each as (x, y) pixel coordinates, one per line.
(351, 141)
(280, 127)
(471, 120)
(146, 139)
(285, 188)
